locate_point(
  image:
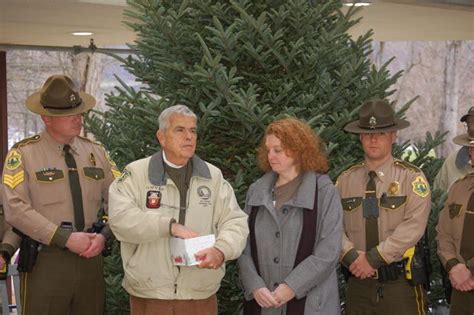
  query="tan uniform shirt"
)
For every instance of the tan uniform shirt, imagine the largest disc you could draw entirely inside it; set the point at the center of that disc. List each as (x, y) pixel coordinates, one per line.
(404, 206)
(37, 195)
(451, 222)
(7, 235)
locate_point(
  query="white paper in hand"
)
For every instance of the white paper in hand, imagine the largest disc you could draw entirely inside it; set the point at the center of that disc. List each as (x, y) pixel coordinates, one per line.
(183, 250)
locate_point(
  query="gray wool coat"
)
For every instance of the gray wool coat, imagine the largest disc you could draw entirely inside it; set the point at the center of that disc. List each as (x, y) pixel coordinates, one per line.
(277, 244)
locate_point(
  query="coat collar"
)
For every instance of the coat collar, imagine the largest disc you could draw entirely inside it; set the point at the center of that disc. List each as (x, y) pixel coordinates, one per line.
(56, 146)
(156, 169)
(304, 198)
(462, 157)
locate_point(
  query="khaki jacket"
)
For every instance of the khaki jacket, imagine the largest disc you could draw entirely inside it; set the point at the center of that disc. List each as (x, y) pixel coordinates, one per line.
(143, 228)
(451, 222)
(36, 191)
(403, 210)
(455, 167)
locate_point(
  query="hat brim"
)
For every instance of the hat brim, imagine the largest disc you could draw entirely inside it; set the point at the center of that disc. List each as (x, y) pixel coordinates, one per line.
(353, 127)
(463, 140)
(34, 105)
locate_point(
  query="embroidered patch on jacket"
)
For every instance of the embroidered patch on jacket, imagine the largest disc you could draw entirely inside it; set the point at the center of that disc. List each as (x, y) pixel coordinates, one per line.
(14, 180)
(204, 193)
(153, 198)
(420, 187)
(126, 173)
(13, 160)
(454, 210)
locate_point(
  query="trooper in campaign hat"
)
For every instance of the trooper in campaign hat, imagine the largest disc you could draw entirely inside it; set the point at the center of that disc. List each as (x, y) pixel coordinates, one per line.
(455, 231)
(386, 204)
(54, 184)
(458, 162)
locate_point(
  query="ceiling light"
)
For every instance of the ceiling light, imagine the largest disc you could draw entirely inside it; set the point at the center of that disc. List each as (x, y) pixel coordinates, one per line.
(356, 3)
(82, 33)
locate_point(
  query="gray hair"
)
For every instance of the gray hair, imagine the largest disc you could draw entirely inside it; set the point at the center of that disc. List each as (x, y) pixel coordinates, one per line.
(164, 119)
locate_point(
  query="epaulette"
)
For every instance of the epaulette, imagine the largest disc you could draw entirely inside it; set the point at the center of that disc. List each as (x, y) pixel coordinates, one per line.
(26, 141)
(464, 177)
(407, 165)
(91, 141)
(353, 167)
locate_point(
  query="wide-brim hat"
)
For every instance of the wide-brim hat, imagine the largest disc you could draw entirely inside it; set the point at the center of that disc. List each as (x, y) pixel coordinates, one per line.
(59, 97)
(376, 116)
(470, 112)
(466, 139)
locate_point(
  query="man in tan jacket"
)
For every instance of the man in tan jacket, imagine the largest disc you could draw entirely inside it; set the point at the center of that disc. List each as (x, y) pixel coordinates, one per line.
(455, 236)
(174, 193)
(54, 184)
(386, 204)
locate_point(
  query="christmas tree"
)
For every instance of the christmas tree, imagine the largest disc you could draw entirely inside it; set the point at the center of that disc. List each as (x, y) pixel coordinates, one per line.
(239, 65)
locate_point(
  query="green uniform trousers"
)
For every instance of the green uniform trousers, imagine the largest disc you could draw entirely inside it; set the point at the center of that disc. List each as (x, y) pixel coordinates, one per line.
(371, 297)
(63, 283)
(462, 303)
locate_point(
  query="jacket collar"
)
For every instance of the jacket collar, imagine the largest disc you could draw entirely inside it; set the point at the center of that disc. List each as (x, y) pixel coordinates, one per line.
(304, 198)
(156, 169)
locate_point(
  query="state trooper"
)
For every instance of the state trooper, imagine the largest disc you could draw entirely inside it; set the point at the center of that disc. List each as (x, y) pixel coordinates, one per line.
(386, 204)
(457, 163)
(455, 235)
(54, 185)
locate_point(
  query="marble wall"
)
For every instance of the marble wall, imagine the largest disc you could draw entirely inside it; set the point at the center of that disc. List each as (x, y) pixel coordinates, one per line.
(441, 76)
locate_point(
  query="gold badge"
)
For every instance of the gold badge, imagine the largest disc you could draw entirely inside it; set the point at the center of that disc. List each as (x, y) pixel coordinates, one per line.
(13, 160)
(394, 188)
(92, 159)
(372, 122)
(420, 187)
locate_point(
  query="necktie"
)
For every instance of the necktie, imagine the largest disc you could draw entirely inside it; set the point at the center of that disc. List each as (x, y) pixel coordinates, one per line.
(467, 245)
(371, 213)
(75, 186)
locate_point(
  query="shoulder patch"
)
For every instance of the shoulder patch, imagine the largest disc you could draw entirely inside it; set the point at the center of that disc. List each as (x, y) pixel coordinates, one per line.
(407, 165)
(420, 187)
(91, 141)
(13, 160)
(26, 141)
(464, 177)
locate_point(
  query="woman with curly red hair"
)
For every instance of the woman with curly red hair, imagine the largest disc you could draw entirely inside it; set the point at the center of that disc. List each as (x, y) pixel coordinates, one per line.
(295, 221)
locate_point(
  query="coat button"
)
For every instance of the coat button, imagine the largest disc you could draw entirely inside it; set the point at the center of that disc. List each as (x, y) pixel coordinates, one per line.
(285, 210)
(277, 234)
(276, 260)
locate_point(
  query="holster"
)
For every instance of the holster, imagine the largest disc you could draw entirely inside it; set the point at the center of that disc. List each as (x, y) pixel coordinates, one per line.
(391, 272)
(28, 252)
(421, 265)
